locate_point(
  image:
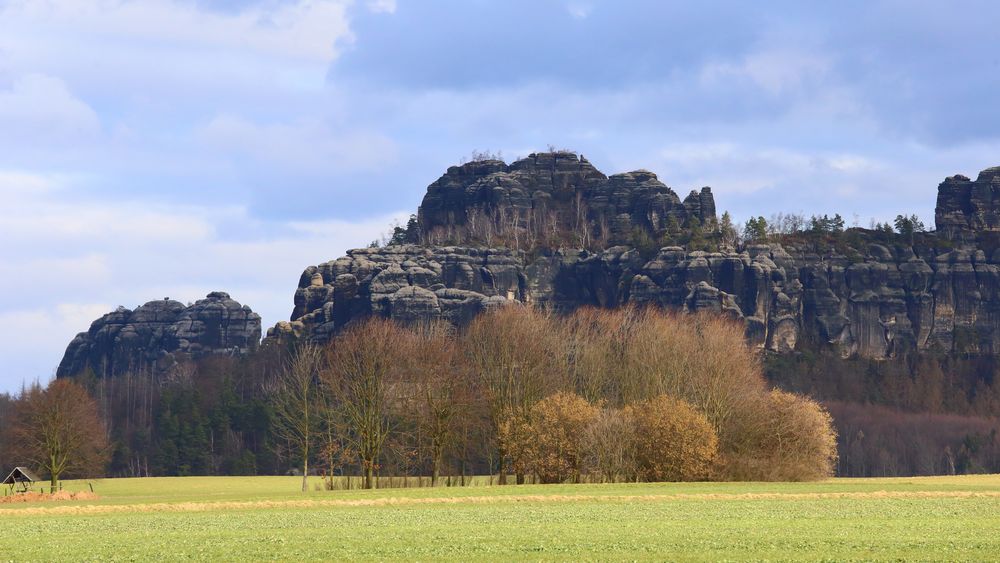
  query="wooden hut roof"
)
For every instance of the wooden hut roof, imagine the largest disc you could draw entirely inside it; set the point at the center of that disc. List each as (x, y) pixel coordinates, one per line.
(20, 474)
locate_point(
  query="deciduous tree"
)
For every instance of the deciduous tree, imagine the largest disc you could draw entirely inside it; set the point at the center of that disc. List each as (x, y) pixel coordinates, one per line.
(362, 370)
(513, 354)
(58, 430)
(297, 402)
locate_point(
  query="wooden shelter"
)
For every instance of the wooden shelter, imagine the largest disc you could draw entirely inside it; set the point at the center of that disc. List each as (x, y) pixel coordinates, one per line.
(20, 480)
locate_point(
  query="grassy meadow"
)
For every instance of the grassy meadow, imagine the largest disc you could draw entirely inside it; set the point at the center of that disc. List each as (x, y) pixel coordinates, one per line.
(236, 518)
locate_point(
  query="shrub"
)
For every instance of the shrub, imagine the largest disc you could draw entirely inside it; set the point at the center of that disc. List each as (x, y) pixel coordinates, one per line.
(793, 440)
(550, 442)
(673, 441)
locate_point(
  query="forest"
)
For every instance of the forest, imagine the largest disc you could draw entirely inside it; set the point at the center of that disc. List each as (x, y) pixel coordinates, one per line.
(599, 395)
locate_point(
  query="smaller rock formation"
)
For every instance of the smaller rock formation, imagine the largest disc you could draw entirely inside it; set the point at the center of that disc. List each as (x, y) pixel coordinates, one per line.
(160, 334)
(966, 207)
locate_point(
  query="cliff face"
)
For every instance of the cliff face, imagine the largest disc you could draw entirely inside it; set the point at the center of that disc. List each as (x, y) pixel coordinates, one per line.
(159, 334)
(553, 193)
(862, 292)
(966, 208)
(875, 298)
(890, 301)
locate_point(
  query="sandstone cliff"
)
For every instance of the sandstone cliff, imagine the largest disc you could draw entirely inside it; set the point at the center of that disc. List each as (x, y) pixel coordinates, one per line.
(159, 334)
(966, 208)
(865, 293)
(557, 198)
(552, 229)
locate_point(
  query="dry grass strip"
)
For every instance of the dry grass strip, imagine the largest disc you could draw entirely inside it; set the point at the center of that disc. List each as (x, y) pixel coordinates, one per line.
(42, 497)
(494, 499)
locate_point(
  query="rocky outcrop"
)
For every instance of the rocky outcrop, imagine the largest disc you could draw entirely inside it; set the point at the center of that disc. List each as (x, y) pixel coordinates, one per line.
(875, 298)
(557, 192)
(876, 305)
(159, 334)
(864, 293)
(966, 208)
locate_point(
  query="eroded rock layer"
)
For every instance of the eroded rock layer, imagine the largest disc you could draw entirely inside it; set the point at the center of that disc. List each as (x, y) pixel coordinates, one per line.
(866, 293)
(557, 192)
(159, 334)
(875, 298)
(888, 301)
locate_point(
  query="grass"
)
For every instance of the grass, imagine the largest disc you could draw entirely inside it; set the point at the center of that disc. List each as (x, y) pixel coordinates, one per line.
(232, 518)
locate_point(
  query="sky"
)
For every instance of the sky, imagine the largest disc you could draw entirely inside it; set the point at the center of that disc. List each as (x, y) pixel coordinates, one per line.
(155, 148)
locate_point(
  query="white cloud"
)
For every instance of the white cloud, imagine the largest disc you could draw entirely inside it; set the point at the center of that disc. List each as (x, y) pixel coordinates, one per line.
(306, 29)
(43, 106)
(774, 71)
(382, 6)
(27, 338)
(306, 144)
(747, 169)
(579, 10)
(37, 210)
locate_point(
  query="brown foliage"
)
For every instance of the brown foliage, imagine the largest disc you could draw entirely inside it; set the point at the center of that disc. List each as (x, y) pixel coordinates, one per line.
(793, 439)
(550, 441)
(513, 354)
(630, 355)
(610, 446)
(880, 441)
(59, 431)
(673, 441)
(437, 390)
(633, 354)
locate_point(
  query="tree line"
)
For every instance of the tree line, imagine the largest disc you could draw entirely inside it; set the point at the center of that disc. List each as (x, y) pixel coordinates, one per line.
(925, 413)
(597, 395)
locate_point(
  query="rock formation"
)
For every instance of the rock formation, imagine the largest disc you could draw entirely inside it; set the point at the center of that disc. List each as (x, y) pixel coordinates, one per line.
(547, 193)
(553, 230)
(966, 208)
(871, 297)
(160, 334)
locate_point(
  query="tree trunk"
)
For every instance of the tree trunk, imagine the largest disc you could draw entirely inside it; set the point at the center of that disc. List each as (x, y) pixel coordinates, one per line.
(503, 470)
(436, 471)
(305, 475)
(54, 483)
(519, 478)
(369, 476)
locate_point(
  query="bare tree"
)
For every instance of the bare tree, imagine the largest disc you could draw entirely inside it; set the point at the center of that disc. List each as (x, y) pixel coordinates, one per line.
(58, 430)
(438, 389)
(361, 366)
(513, 353)
(297, 402)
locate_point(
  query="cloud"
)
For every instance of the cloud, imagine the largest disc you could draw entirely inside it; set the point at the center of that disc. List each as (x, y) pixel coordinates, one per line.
(303, 29)
(308, 144)
(579, 10)
(773, 71)
(27, 336)
(382, 6)
(40, 105)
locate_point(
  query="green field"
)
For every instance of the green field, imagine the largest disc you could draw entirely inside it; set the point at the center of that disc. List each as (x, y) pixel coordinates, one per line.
(233, 518)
